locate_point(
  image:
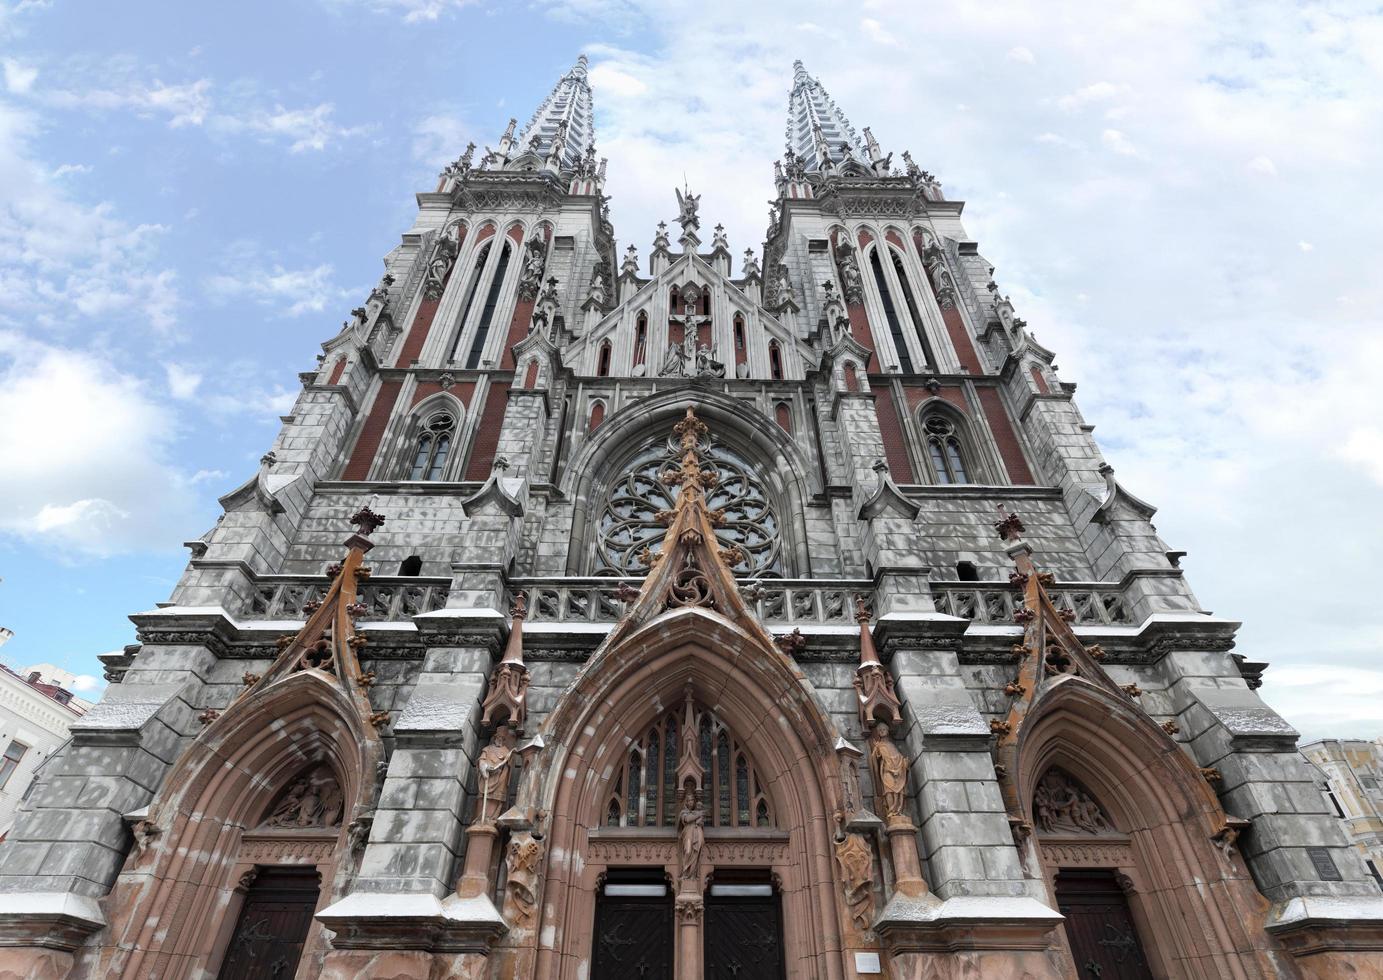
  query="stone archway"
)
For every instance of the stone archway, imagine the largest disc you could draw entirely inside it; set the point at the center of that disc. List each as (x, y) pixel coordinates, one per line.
(765, 701)
(224, 811)
(1138, 808)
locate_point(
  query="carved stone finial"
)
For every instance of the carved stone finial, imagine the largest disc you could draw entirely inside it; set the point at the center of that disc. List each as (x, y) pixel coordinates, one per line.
(366, 521)
(1008, 525)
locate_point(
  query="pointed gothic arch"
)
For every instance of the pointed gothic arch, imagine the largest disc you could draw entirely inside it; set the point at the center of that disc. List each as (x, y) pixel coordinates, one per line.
(1192, 898)
(429, 448)
(950, 447)
(177, 900)
(779, 465)
(624, 689)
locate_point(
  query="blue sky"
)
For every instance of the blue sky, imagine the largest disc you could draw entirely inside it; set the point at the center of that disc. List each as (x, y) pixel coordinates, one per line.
(1178, 196)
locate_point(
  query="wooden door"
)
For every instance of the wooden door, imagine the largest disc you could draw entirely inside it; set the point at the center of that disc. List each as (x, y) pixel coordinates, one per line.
(1099, 926)
(633, 935)
(743, 937)
(269, 936)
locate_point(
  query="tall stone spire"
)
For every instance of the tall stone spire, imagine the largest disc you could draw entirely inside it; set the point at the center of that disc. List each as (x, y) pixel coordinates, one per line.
(567, 113)
(817, 130)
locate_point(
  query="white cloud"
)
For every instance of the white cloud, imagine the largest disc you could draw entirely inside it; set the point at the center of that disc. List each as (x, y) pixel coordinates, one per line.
(288, 292)
(65, 262)
(71, 168)
(86, 454)
(184, 104)
(1095, 92)
(1117, 142)
(305, 129)
(1022, 55)
(440, 138)
(1305, 246)
(877, 33)
(1263, 165)
(610, 81)
(413, 11)
(19, 78)
(182, 382)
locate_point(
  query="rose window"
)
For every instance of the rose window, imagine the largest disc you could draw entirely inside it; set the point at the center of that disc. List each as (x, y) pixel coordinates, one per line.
(629, 522)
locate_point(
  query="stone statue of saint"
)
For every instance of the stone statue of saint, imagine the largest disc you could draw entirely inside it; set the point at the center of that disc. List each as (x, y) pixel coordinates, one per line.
(672, 362)
(691, 837)
(494, 767)
(890, 771)
(706, 364)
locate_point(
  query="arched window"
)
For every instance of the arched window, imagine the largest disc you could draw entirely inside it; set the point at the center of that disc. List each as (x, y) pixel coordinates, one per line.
(482, 329)
(602, 366)
(412, 565)
(597, 416)
(640, 338)
(739, 333)
(852, 378)
(530, 379)
(895, 328)
(471, 290)
(643, 791)
(783, 414)
(775, 360)
(433, 446)
(944, 449)
(913, 312)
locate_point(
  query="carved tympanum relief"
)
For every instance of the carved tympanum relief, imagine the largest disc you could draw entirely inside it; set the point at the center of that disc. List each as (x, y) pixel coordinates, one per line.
(311, 802)
(1061, 805)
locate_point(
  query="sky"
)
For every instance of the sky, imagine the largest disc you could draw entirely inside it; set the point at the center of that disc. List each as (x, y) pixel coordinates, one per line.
(1180, 196)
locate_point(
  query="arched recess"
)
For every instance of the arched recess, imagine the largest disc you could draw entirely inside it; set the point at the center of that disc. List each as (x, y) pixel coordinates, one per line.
(782, 466)
(1192, 899)
(760, 695)
(953, 425)
(414, 434)
(177, 899)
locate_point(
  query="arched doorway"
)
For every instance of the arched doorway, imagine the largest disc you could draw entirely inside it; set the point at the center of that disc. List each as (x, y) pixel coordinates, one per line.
(764, 751)
(1134, 846)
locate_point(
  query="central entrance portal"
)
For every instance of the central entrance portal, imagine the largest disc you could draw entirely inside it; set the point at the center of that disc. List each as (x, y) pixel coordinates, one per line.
(744, 932)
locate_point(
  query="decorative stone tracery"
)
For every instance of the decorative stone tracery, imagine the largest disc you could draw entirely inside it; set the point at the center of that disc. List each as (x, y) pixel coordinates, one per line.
(630, 522)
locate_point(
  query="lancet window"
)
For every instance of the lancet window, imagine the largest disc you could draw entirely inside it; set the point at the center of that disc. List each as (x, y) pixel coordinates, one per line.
(629, 523)
(482, 329)
(433, 446)
(644, 790)
(944, 449)
(471, 290)
(913, 312)
(895, 327)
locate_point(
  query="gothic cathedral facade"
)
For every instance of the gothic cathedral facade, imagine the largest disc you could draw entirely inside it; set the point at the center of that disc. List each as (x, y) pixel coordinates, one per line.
(594, 618)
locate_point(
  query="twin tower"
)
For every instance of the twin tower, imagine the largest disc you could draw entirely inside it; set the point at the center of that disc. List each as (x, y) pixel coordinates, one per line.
(598, 617)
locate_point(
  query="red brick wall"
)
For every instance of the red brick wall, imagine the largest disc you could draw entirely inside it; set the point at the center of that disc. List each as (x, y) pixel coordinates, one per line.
(1004, 435)
(892, 432)
(784, 417)
(518, 329)
(417, 334)
(960, 340)
(487, 435)
(1039, 380)
(340, 366)
(859, 329)
(372, 432)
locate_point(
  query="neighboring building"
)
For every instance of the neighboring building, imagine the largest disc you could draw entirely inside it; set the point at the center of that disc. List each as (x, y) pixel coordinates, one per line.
(1352, 781)
(34, 718)
(609, 706)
